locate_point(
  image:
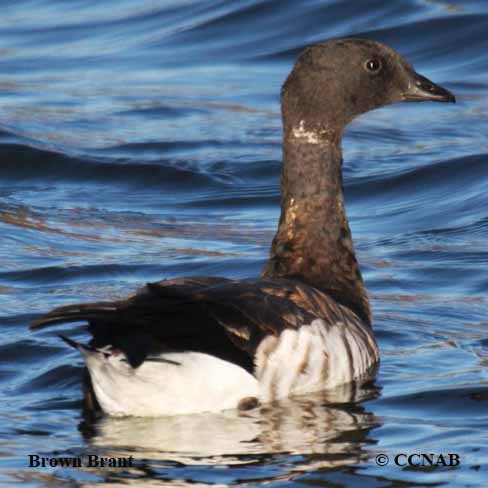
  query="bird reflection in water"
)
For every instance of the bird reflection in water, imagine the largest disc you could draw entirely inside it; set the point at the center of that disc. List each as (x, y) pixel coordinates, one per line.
(320, 431)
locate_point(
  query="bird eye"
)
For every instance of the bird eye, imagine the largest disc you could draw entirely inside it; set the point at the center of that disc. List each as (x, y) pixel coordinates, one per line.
(373, 65)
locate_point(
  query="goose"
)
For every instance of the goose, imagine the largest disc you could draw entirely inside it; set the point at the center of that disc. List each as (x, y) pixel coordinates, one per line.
(206, 343)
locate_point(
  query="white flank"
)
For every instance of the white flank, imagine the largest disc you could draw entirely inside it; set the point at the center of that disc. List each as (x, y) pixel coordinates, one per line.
(315, 357)
(198, 383)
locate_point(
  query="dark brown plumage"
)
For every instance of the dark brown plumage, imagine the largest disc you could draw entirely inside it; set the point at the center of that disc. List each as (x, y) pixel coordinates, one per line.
(312, 272)
(218, 316)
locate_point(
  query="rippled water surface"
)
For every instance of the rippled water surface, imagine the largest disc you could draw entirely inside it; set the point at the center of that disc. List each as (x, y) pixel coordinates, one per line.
(142, 140)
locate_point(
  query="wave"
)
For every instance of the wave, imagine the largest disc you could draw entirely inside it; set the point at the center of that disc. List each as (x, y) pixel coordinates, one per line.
(449, 176)
(22, 163)
(152, 164)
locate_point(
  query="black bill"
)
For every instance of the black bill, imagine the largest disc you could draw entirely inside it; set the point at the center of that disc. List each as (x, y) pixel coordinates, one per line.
(421, 89)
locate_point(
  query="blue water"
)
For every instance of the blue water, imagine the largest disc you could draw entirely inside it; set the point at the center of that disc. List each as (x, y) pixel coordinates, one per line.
(142, 140)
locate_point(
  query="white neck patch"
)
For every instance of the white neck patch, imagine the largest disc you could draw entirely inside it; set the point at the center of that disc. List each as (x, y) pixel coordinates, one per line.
(312, 137)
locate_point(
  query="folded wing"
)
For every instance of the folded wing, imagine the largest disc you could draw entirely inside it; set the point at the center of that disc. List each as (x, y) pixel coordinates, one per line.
(214, 315)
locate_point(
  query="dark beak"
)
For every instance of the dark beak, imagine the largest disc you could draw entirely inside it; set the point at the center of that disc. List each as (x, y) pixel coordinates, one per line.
(421, 89)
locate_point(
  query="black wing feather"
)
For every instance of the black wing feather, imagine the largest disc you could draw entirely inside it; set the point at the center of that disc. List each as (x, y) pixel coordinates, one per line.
(218, 316)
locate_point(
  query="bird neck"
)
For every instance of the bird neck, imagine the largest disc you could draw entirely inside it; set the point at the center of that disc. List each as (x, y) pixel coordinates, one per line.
(313, 242)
